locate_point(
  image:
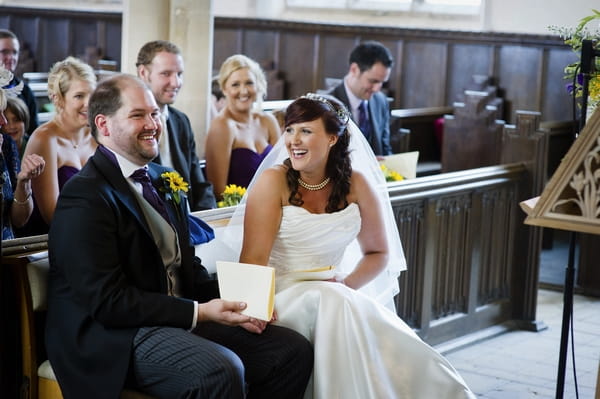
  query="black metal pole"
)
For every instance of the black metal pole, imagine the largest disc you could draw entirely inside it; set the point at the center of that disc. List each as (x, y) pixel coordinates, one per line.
(567, 316)
(587, 66)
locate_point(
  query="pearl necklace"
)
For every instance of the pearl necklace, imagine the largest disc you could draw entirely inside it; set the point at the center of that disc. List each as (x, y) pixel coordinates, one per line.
(313, 187)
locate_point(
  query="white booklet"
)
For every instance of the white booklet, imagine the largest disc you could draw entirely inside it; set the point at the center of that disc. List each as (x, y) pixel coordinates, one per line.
(318, 273)
(253, 284)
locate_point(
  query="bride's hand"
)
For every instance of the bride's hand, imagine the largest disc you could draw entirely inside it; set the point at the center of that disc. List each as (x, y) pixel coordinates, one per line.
(254, 325)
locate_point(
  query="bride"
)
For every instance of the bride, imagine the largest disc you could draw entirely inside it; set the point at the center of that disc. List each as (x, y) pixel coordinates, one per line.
(320, 200)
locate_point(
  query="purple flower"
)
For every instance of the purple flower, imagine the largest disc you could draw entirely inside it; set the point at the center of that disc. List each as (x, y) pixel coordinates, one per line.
(569, 88)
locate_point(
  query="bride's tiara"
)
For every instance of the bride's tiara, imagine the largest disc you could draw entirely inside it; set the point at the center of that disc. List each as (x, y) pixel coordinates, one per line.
(341, 112)
(5, 77)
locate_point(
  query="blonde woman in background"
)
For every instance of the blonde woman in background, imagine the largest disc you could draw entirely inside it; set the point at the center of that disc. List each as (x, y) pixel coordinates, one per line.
(240, 136)
(65, 142)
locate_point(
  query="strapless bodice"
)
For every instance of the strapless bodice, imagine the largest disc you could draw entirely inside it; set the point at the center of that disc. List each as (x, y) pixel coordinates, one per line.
(64, 173)
(243, 165)
(308, 240)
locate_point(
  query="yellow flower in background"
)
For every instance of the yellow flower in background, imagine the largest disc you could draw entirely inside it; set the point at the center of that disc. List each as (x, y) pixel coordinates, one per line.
(232, 195)
(594, 88)
(173, 186)
(390, 175)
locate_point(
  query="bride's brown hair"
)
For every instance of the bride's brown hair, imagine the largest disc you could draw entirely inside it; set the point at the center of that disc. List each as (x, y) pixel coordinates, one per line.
(335, 118)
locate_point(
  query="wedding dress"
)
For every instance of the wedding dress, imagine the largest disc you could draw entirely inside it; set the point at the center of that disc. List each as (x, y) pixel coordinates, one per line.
(362, 349)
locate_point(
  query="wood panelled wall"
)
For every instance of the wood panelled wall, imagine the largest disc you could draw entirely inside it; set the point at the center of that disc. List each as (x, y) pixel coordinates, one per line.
(52, 35)
(432, 67)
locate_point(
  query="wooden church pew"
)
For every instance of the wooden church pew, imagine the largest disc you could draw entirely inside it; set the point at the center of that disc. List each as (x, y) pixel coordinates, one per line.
(472, 263)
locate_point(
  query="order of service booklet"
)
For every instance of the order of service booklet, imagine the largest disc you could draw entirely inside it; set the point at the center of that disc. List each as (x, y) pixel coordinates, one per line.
(253, 284)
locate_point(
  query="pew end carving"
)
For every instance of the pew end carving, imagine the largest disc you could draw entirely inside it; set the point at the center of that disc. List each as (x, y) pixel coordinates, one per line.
(473, 135)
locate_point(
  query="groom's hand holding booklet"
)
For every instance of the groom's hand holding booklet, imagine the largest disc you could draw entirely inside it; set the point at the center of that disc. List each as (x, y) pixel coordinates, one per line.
(252, 284)
(255, 285)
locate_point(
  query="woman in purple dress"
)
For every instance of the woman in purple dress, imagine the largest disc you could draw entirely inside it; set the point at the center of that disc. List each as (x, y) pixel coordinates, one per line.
(240, 136)
(65, 142)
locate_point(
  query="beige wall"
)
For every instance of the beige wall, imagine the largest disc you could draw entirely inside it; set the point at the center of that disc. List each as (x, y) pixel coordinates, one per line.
(523, 16)
(534, 16)
(519, 16)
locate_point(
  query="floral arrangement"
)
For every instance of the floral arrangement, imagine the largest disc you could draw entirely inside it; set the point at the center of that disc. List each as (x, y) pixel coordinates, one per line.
(173, 186)
(390, 175)
(232, 195)
(574, 38)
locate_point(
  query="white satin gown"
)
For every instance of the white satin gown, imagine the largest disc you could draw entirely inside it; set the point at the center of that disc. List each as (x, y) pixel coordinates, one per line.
(362, 349)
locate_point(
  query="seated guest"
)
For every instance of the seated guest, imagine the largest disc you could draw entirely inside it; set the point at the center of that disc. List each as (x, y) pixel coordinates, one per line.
(370, 66)
(160, 66)
(16, 178)
(9, 57)
(128, 303)
(65, 141)
(17, 122)
(239, 137)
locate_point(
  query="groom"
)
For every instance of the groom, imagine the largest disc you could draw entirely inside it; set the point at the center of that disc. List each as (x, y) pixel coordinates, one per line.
(128, 303)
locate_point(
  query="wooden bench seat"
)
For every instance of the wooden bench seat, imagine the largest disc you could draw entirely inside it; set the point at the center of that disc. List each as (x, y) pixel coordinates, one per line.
(30, 273)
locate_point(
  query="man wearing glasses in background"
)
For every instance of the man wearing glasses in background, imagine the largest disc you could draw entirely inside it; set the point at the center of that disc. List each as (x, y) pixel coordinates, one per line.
(9, 57)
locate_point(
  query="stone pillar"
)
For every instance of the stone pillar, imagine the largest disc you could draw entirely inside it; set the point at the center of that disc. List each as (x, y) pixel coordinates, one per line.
(189, 24)
(143, 20)
(191, 29)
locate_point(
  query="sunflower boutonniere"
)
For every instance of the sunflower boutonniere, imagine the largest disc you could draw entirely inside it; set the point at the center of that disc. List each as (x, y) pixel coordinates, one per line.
(173, 186)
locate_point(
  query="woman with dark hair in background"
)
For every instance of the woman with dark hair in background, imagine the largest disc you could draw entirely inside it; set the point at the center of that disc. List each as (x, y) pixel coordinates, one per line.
(15, 176)
(17, 122)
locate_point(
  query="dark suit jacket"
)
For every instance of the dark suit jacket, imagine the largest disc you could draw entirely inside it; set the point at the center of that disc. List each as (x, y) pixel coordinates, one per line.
(183, 154)
(107, 279)
(379, 115)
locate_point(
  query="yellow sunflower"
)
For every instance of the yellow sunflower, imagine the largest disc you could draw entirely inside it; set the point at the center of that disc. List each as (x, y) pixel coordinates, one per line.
(232, 195)
(173, 186)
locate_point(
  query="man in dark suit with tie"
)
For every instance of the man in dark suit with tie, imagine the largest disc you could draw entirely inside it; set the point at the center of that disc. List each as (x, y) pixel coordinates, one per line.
(370, 66)
(128, 302)
(160, 66)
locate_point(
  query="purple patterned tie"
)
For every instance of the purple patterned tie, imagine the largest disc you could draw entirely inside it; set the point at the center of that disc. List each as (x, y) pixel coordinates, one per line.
(149, 193)
(363, 119)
